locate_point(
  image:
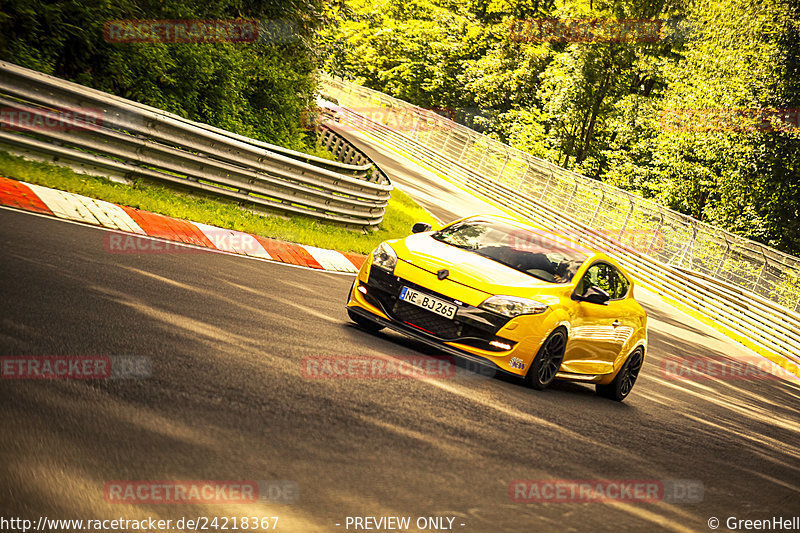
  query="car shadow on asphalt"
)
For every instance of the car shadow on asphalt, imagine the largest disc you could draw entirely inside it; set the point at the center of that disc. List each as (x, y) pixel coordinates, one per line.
(565, 391)
(656, 314)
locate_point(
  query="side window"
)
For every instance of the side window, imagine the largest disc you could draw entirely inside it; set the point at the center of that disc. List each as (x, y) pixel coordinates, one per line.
(620, 285)
(596, 276)
(606, 277)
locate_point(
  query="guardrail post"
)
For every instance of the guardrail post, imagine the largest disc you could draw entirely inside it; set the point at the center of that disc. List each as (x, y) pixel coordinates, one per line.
(464, 150)
(724, 256)
(447, 139)
(427, 143)
(627, 218)
(657, 233)
(503, 168)
(524, 175)
(761, 273)
(571, 196)
(546, 184)
(686, 249)
(483, 156)
(758, 280)
(415, 130)
(599, 204)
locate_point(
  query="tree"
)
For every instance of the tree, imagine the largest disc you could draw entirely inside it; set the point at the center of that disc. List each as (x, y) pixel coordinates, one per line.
(257, 89)
(723, 154)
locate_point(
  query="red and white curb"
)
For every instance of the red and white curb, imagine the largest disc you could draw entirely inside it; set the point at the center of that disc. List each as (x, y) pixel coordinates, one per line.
(70, 206)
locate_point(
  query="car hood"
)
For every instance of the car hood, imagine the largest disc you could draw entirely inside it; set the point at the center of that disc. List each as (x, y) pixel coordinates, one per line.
(466, 267)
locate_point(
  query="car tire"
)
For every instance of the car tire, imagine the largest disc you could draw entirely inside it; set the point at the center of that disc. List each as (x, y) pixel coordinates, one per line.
(625, 379)
(364, 323)
(547, 361)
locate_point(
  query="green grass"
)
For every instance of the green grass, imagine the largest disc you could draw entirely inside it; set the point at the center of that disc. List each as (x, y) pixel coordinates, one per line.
(401, 213)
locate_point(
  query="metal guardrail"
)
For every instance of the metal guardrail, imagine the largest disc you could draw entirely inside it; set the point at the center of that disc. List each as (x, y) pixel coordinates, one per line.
(760, 320)
(124, 139)
(347, 152)
(665, 235)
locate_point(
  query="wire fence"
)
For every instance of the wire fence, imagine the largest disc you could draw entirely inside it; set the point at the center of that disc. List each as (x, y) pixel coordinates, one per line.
(666, 235)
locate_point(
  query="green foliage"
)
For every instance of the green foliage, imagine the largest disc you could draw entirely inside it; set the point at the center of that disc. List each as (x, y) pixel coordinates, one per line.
(721, 165)
(604, 108)
(257, 89)
(401, 213)
(601, 108)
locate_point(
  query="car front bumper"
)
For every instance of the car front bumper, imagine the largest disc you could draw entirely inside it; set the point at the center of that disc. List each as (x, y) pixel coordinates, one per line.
(470, 335)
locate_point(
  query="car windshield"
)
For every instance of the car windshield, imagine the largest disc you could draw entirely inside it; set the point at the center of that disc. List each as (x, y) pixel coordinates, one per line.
(536, 254)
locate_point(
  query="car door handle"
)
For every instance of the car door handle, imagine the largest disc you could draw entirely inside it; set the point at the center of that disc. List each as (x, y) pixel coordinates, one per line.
(616, 323)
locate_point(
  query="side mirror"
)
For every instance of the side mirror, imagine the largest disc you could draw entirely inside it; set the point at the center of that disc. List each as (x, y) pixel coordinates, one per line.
(595, 295)
(420, 227)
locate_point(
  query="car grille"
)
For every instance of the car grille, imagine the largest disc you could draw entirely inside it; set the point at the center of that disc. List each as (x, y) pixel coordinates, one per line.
(470, 322)
(438, 325)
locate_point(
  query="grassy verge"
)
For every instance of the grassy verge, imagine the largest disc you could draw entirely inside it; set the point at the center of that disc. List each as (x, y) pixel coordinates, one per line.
(401, 213)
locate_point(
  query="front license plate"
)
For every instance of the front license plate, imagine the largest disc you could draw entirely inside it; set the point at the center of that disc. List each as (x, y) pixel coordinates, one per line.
(432, 304)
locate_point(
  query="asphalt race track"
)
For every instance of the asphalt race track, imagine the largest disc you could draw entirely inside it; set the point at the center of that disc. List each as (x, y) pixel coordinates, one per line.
(227, 399)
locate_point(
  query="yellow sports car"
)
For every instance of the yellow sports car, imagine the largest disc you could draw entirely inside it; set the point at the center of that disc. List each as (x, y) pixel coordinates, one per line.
(531, 303)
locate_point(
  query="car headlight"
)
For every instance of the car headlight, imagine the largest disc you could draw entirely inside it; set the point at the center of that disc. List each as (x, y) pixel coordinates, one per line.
(512, 306)
(384, 257)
